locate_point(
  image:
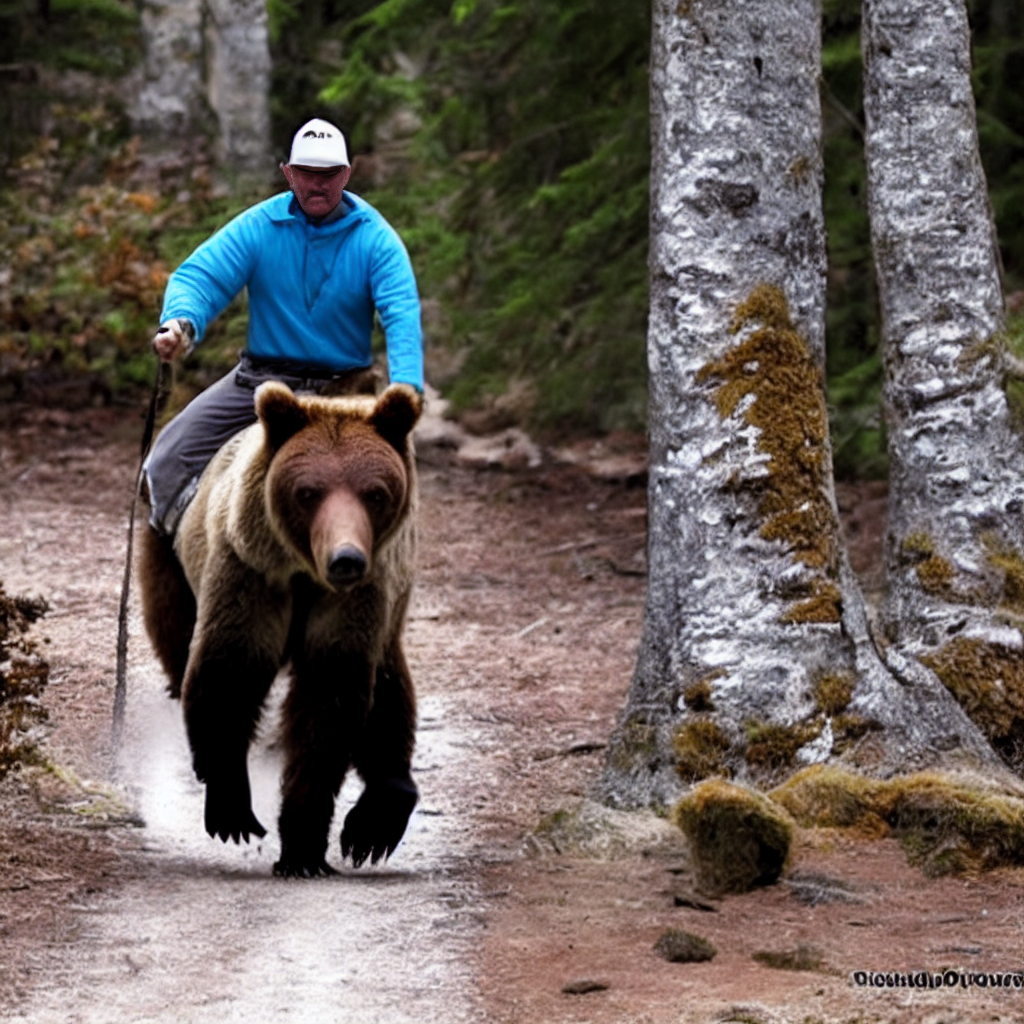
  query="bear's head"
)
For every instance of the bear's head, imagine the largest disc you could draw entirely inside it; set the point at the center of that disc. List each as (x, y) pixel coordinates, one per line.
(339, 475)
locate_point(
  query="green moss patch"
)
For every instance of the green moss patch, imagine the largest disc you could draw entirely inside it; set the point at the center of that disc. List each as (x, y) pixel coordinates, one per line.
(833, 691)
(824, 605)
(738, 838)
(936, 576)
(987, 680)
(771, 746)
(827, 797)
(697, 696)
(700, 747)
(774, 365)
(803, 958)
(1008, 561)
(944, 824)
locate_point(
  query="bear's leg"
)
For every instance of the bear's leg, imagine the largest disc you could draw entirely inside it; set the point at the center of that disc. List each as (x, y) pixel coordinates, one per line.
(239, 646)
(168, 605)
(325, 708)
(383, 757)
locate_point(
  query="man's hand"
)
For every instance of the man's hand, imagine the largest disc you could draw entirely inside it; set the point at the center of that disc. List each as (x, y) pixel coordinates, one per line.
(173, 340)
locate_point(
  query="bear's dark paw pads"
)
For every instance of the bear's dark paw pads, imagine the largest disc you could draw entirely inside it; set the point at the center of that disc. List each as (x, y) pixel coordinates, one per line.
(375, 826)
(290, 867)
(228, 818)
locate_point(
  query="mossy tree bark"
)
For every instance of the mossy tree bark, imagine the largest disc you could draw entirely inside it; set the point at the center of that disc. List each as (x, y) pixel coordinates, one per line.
(207, 72)
(955, 546)
(755, 653)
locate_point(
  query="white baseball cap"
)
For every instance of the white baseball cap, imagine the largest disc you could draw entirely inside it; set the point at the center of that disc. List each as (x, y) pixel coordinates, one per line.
(319, 144)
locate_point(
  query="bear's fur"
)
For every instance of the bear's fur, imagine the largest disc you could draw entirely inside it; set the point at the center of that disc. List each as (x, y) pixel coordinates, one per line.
(298, 550)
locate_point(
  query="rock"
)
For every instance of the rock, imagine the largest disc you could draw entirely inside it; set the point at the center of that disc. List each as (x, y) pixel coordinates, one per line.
(511, 449)
(681, 947)
(581, 986)
(738, 837)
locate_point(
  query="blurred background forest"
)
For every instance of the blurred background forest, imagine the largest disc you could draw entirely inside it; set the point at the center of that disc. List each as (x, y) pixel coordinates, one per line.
(507, 141)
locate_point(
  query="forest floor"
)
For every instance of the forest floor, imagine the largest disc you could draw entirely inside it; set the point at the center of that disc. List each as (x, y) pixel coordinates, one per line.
(116, 907)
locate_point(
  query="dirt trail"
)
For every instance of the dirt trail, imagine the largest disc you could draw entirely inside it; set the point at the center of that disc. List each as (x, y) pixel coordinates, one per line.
(198, 931)
(115, 906)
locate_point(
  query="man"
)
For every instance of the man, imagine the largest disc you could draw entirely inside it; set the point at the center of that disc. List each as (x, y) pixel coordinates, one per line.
(317, 262)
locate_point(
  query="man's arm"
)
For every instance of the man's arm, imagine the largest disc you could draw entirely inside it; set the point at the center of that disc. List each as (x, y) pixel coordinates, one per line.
(393, 286)
(200, 289)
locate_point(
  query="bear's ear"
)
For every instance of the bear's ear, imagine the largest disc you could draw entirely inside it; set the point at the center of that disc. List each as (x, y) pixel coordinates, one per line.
(396, 413)
(280, 412)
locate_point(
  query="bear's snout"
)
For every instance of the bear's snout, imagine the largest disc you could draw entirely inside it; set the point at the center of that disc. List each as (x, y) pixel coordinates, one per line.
(348, 565)
(342, 540)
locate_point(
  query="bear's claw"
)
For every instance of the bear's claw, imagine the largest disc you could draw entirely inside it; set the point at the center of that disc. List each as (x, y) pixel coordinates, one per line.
(227, 816)
(375, 826)
(288, 867)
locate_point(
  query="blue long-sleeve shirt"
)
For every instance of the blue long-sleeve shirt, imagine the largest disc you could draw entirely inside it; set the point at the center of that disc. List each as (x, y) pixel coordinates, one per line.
(312, 288)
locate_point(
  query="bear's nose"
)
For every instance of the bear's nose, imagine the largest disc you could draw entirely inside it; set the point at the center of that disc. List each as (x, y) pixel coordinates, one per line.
(348, 565)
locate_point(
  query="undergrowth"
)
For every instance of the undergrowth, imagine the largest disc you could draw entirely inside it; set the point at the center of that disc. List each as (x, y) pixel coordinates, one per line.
(24, 673)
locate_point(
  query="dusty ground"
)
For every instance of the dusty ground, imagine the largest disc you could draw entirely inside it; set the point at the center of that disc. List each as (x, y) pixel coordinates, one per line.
(114, 905)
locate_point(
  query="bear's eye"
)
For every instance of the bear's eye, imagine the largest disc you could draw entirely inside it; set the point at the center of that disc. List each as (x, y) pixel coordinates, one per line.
(376, 499)
(307, 496)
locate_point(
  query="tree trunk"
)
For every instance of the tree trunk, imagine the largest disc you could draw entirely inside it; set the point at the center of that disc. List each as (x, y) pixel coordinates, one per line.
(755, 654)
(239, 83)
(171, 104)
(954, 550)
(207, 72)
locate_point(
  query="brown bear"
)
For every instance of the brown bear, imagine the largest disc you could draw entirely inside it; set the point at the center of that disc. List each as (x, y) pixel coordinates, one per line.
(297, 550)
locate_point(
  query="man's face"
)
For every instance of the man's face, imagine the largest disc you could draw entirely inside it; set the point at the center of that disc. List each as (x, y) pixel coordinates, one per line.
(317, 189)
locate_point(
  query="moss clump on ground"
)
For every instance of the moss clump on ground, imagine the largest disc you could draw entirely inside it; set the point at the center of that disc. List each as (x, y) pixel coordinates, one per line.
(945, 824)
(771, 746)
(803, 958)
(827, 797)
(775, 366)
(700, 747)
(987, 680)
(681, 947)
(948, 828)
(23, 674)
(738, 838)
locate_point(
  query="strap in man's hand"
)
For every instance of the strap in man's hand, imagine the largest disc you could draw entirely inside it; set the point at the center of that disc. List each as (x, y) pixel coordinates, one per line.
(174, 339)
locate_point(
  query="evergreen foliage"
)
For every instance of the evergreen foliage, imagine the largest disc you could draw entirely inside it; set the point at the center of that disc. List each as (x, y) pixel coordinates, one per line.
(523, 192)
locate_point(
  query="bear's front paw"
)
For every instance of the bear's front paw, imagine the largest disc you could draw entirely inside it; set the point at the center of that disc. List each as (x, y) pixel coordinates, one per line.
(375, 826)
(229, 811)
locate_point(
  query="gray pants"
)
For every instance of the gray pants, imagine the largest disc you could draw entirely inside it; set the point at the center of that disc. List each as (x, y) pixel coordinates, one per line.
(184, 448)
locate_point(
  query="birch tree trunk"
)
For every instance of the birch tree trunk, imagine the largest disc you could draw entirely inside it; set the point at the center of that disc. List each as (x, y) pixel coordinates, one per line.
(171, 103)
(207, 72)
(239, 83)
(755, 655)
(954, 548)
